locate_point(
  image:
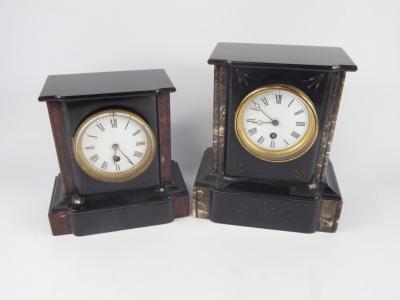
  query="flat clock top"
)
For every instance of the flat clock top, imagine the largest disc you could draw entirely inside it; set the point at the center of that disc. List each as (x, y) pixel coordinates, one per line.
(283, 56)
(87, 86)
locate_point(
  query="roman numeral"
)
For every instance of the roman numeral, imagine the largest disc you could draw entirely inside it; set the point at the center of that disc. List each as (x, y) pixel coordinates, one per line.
(127, 123)
(94, 158)
(138, 154)
(89, 148)
(278, 98)
(104, 165)
(253, 131)
(100, 126)
(290, 103)
(92, 136)
(300, 124)
(140, 143)
(136, 132)
(295, 134)
(113, 123)
(272, 145)
(117, 167)
(261, 140)
(298, 112)
(264, 100)
(286, 142)
(256, 106)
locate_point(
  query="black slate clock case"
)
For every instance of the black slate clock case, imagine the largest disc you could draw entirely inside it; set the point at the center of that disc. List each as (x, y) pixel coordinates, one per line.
(83, 205)
(233, 186)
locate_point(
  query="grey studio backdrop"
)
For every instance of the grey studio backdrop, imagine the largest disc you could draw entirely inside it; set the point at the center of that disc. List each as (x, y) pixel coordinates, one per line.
(192, 258)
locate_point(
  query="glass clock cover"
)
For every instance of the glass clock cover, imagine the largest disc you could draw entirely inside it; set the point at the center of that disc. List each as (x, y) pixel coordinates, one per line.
(276, 123)
(114, 145)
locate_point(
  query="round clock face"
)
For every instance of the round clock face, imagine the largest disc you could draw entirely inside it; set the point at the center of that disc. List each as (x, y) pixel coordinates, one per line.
(276, 123)
(114, 145)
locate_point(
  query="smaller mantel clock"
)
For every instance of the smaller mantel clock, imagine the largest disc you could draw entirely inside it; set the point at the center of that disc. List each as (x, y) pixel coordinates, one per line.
(112, 136)
(275, 109)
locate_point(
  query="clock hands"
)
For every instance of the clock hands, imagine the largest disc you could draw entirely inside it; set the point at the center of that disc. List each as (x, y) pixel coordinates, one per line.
(116, 147)
(258, 122)
(274, 122)
(126, 157)
(116, 158)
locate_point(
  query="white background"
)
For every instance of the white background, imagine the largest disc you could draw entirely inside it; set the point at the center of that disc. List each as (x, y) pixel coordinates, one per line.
(192, 258)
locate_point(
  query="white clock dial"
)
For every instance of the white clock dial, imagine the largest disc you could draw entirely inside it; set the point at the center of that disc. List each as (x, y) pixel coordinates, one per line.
(276, 120)
(114, 145)
(276, 123)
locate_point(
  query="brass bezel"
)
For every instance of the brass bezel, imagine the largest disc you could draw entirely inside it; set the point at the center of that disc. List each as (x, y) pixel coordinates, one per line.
(277, 155)
(130, 174)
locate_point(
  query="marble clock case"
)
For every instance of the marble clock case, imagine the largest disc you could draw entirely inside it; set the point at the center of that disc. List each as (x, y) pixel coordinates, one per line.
(234, 187)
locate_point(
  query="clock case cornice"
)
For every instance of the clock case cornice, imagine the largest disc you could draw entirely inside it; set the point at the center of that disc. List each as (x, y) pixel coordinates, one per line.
(105, 85)
(291, 57)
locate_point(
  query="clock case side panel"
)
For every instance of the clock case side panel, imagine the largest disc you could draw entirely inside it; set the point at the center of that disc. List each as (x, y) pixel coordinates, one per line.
(170, 173)
(61, 141)
(328, 124)
(239, 162)
(77, 111)
(164, 121)
(219, 117)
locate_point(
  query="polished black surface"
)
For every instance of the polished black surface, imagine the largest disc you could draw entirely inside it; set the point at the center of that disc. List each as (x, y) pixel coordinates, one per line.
(73, 87)
(265, 211)
(283, 56)
(242, 81)
(76, 112)
(113, 211)
(107, 212)
(294, 207)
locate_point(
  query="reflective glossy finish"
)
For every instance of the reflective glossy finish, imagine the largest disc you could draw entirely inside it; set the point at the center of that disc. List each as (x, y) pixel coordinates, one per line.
(71, 87)
(235, 186)
(153, 193)
(282, 56)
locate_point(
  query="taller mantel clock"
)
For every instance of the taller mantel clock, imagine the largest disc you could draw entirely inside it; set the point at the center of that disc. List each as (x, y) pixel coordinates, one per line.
(113, 140)
(275, 109)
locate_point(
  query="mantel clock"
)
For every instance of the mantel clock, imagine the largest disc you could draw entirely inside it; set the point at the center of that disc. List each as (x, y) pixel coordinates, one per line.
(275, 110)
(113, 140)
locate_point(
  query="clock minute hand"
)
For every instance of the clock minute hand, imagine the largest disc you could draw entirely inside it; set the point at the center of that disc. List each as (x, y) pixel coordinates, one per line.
(125, 156)
(259, 107)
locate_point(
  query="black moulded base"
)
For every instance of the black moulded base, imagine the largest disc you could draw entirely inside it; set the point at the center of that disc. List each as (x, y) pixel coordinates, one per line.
(120, 210)
(273, 205)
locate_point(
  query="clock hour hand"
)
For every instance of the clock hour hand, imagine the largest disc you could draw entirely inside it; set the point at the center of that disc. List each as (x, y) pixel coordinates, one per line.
(258, 122)
(116, 158)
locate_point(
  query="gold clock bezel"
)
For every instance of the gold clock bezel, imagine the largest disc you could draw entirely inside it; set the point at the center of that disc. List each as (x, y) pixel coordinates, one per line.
(123, 176)
(283, 155)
